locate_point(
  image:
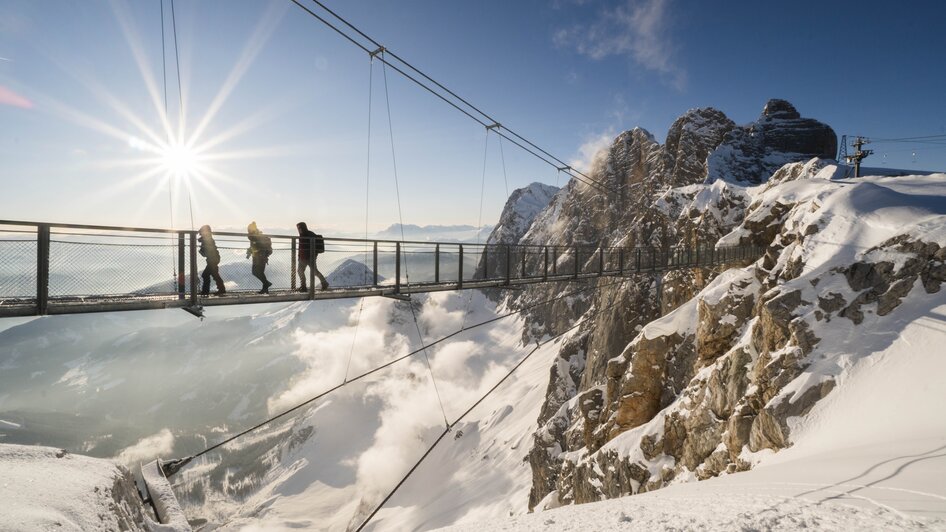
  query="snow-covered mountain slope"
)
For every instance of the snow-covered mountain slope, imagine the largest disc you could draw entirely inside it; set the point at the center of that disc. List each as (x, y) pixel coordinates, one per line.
(735, 373)
(352, 273)
(869, 456)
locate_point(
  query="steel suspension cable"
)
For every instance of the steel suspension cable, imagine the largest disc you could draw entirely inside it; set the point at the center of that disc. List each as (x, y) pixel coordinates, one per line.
(535, 150)
(444, 88)
(361, 304)
(173, 466)
(482, 398)
(180, 118)
(479, 223)
(164, 72)
(407, 274)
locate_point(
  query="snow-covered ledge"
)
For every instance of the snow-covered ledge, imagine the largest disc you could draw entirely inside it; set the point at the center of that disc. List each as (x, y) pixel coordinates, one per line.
(169, 512)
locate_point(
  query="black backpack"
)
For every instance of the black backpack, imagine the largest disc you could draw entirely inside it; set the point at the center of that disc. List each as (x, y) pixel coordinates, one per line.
(319, 242)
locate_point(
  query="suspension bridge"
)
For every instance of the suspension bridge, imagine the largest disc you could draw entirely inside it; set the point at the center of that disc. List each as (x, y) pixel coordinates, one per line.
(51, 268)
(61, 268)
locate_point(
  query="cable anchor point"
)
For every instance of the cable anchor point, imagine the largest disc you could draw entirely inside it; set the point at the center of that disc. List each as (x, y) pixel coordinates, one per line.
(380, 50)
(170, 467)
(494, 125)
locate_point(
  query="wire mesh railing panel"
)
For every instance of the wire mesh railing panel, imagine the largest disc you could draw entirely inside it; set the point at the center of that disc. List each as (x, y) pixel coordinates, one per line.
(107, 265)
(17, 266)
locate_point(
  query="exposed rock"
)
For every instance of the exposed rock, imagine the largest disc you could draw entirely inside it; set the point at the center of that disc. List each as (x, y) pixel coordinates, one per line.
(753, 152)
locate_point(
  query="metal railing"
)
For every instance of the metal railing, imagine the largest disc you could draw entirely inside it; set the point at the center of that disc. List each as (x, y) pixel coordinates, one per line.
(50, 268)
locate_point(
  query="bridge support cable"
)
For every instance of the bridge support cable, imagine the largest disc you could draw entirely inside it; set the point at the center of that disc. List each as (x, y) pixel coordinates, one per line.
(171, 467)
(479, 223)
(361, 303)
(489, 119)
(400, 215)
(451, 98)
(482, 398)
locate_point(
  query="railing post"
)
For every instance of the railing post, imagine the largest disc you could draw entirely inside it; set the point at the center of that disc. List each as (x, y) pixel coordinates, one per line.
(697, 255)
(397, 267)
(600, 261)
(485, 261)
(508, 264)
(180, 265)
(193, 261)
(554, 260)
(621, 261)
(312, 259)
(42, 269)
(637, 263)
(545, 267)
(292, 264)
(577, 264)
(522, 274)
(460, 269)
(374, 263)
(437, 263)
(653, 259)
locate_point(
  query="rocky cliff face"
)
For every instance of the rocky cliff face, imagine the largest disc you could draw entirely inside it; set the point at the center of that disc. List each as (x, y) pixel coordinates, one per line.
(613, 375)
(700, 390)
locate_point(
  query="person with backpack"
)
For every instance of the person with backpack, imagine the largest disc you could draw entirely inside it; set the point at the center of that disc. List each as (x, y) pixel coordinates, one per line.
(261, 247)
(208, 249)
(310, 245)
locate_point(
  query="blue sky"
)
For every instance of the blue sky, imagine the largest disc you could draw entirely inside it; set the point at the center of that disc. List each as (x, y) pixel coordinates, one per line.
(287, 98)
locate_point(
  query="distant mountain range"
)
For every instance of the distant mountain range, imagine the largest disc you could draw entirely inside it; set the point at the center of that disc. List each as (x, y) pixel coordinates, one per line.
(439, 233)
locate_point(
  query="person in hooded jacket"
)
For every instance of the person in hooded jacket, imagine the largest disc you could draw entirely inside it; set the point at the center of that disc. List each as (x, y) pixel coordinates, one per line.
(208, 249)
(306, 240)
(261, 247)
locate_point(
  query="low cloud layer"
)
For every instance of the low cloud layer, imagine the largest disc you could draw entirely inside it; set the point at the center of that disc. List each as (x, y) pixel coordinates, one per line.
(147, 449)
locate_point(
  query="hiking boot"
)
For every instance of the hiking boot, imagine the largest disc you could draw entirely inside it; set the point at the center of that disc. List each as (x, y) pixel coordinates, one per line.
(302, 289)
(220, 291)
(324, 286)
(266, 286)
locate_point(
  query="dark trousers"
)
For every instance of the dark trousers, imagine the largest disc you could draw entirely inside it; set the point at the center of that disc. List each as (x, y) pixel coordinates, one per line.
(212, 270)
(259, 269)
(303, 264)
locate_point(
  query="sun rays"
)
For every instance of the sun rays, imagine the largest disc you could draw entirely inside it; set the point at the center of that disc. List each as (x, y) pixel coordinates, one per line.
(159, 151)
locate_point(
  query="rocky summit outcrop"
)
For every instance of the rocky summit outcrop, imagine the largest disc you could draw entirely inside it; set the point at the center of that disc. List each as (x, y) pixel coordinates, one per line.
(751, 153)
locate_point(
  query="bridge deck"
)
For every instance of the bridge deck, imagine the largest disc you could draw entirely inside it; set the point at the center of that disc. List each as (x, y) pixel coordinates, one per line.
(67, 269)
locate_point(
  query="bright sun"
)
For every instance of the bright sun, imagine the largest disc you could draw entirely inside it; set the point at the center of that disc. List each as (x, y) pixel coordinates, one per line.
(179, 160)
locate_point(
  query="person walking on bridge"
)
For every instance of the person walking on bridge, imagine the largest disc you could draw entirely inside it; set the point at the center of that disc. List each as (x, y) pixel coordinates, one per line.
(310, 245)
(208, 249)
(261, 247)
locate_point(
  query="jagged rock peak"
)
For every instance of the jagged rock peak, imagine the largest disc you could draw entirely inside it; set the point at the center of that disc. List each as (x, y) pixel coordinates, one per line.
(690, 139)
(777, 108)
(523, 205)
